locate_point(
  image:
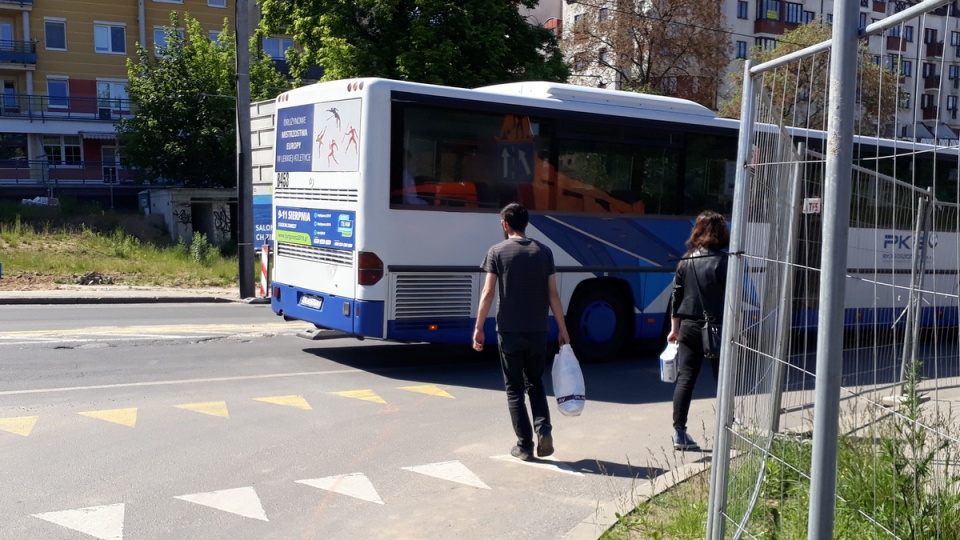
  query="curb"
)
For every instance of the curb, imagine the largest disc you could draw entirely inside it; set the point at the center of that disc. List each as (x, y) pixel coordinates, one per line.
(605, 516)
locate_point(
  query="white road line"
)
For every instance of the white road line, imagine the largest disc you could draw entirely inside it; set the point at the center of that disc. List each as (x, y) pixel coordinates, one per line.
(240, 501)
(180, 381)
(549, 463)
(454, 471)
(355, 485)
(103, 522)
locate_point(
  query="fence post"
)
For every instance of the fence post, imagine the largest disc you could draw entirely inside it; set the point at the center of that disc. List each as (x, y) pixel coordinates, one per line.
(836, 222)
(732, 315)
(911, 333)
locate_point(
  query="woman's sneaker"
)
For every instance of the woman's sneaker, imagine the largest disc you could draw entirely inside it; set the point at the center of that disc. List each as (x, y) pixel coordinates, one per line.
(684, 442)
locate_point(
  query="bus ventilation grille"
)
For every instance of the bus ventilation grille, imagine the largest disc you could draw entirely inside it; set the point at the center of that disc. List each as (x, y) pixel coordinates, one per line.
(310, 253)
(433, 296)
(317, 194)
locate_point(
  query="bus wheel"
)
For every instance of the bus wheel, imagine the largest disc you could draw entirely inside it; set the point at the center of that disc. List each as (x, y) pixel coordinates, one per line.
(596, 324)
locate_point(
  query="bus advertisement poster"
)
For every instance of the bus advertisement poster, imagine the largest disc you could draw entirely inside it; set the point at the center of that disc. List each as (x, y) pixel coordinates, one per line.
(322, 137)
(333, 229)
(262, 220)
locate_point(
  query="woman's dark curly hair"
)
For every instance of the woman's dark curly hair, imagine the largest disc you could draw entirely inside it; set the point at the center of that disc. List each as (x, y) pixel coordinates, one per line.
(709, 232)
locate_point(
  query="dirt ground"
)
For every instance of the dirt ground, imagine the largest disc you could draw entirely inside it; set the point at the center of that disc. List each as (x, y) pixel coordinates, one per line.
(135, 225)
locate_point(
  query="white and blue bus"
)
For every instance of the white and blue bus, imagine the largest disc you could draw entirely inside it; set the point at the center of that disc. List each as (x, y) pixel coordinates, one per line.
(387, 193)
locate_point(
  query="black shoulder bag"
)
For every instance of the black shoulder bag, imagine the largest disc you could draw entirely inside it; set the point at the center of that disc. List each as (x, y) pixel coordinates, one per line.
(711, 331)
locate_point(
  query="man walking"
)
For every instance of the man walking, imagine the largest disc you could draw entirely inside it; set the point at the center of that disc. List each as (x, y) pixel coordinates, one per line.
(524, 271)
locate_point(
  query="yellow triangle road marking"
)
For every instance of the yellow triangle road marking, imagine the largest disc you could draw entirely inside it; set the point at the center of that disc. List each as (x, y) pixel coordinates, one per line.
(366, 395)
(288, 401)
(428, 389)
(213, 408)
(20, 425)
(124, 417)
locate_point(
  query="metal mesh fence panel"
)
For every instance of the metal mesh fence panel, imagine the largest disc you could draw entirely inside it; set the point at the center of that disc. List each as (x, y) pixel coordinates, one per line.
(899, 439)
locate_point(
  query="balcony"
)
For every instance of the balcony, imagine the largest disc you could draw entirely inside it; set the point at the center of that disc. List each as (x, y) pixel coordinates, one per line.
(879, 7)
(931, 82)
(46, 108)
(17, 52)
(930, 113)
(934, 49)
(16, 5)
(894, 43)
(42, 172)
(772, 27)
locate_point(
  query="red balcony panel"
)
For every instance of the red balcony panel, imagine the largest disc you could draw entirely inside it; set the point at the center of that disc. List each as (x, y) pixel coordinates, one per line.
(931, 83)
(935, 49)
(930, 113)
(767, 26)
(896, 44)
(879, 7)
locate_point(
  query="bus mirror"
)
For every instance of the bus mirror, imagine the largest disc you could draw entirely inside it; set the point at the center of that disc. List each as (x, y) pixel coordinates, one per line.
(369, 268)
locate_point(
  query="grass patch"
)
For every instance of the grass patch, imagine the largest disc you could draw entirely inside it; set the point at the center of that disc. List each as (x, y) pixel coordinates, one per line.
(897, 477)
(680, 512)
(59, 252)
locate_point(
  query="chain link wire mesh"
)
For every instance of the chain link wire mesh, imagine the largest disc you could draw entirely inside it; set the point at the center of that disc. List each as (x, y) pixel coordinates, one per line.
(899, 444)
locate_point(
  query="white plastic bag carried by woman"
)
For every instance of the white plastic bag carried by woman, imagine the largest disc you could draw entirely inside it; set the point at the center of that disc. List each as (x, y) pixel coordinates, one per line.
(568, 382)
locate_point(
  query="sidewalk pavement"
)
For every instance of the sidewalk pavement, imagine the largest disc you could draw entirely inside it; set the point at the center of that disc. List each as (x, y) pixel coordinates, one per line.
(122, 294)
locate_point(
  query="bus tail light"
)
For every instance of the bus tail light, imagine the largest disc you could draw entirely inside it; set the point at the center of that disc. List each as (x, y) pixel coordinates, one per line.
(370, 268)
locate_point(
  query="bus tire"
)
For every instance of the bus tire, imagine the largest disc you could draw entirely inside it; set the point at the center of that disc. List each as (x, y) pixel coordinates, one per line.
(596, 324)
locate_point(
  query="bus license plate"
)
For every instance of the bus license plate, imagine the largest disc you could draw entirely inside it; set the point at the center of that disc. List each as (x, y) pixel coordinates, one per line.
(311, 301)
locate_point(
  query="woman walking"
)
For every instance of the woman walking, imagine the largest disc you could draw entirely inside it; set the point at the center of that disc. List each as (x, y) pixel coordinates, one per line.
(698, 292)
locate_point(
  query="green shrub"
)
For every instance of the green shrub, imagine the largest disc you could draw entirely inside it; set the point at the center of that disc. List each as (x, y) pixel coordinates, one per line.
(124, 245)
(200, 249)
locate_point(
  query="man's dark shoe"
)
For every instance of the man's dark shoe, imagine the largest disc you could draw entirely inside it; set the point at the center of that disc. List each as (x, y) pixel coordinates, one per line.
(544, 445)
(684, 442)
(521, 453)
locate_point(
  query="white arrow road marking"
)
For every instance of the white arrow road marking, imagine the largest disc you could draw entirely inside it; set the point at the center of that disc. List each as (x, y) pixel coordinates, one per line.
(453, 471)
(355, 485)
(549, 463)
(103, 522)
(241, 501)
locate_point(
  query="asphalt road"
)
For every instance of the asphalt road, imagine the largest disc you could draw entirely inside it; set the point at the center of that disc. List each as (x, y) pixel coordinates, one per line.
(217, 421)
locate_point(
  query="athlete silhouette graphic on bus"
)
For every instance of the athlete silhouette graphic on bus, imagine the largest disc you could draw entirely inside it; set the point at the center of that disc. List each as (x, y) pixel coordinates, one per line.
(333, 150)
(352, 134)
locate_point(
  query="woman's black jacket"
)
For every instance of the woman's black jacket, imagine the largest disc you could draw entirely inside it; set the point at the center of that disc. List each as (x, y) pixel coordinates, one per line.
(711, 274)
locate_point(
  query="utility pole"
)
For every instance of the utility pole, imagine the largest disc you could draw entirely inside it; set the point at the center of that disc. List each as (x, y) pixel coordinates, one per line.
(244, 164)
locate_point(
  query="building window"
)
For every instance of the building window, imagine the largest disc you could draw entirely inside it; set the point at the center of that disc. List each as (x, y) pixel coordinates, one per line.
(929, 70)
(929, 35)
(863, 21)
(766, 44)
(13, 150)
(110, 38)
(112, 94)
(903, 100)
(58, 96)
(160, 37)
(876, 59)
(62, 150)
(603, 14)
(768, 9)
(808, 17)
(55, 34)
(955, 39)
(927, 101)
(217, 3)
(953, 72)
(906, 68)
(602, 57)
(743, 10)
(951, 103)
(580, 62)
(276, 47)
(908, 33)
(794, 13)
(742, 49)
(829, 18)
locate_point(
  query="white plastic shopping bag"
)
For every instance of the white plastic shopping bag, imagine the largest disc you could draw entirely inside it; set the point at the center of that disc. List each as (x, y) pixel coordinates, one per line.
(668, 363)
(568, 382)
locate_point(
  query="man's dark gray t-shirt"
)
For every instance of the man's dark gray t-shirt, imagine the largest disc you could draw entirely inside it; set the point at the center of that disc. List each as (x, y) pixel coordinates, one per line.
(523, 267)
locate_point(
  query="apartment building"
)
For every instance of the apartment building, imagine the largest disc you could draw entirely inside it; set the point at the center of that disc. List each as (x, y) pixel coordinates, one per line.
(64, 77)
(927, 58)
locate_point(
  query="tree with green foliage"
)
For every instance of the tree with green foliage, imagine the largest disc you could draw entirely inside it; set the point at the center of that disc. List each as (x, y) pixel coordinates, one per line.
(798, 89)
(465, 43)
(184, 129)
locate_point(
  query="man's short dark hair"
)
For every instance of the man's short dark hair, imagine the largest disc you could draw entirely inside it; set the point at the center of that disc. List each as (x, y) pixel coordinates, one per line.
(516, 216)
